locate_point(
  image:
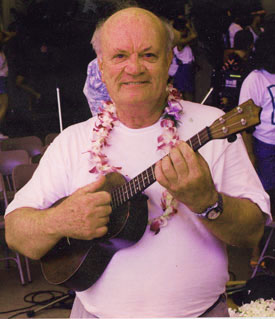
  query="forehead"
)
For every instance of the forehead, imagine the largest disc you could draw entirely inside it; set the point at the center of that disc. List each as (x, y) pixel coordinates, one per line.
(132, 30)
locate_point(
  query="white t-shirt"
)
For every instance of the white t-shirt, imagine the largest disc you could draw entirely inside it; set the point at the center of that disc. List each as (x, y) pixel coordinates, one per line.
(259, 86)
(185, 56)
(182, 270)
(233, 29)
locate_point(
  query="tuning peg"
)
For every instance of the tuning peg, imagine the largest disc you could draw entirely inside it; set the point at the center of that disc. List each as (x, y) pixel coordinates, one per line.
(232, 138)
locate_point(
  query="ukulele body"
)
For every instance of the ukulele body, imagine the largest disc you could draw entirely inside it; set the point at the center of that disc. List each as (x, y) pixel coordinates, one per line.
(77, 264)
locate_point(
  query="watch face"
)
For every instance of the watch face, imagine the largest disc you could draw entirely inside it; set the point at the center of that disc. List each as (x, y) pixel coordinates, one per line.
(213, 214)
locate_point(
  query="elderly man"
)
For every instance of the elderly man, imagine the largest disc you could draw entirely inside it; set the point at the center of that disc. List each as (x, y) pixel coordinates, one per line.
(201, 201)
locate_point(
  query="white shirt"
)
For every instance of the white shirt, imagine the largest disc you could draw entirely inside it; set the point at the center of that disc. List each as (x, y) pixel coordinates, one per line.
(259, 86)
(185, 56)
(233, 29)
(182, 270)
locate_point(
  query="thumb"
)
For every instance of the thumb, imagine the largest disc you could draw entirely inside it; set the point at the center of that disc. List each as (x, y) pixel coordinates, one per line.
(95, 186)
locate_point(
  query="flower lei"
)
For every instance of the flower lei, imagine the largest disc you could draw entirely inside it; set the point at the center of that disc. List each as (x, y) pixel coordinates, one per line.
(107, 119)
(258, 308)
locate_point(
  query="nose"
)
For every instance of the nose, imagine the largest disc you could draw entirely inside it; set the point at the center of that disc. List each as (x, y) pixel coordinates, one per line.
(134, 65)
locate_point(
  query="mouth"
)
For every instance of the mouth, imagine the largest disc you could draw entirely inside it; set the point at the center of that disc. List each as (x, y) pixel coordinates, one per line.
(134, 83)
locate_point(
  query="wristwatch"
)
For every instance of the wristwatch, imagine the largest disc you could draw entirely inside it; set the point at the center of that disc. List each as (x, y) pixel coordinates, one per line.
(214, 211)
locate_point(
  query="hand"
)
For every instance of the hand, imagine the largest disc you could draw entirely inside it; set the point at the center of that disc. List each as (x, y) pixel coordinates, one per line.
(186, 176)
(84, 214)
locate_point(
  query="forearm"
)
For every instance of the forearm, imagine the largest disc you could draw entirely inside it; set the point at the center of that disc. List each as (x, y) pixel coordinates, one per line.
(31, 232)
(241, 223)
(248, 141)
(82, 215)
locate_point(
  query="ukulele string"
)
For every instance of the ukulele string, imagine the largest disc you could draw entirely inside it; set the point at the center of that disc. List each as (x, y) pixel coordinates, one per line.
(124, 192)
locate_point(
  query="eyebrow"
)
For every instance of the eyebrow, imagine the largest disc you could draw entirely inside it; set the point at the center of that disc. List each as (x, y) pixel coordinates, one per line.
(124, 51)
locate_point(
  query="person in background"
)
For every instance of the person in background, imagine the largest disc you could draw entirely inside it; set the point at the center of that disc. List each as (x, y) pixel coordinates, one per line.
(201, 201)
(4, 100)
(94, 89)
(269, 18)
(238, 63)
(182, 70)
(235, 26)
(256, 25)
(259, 86)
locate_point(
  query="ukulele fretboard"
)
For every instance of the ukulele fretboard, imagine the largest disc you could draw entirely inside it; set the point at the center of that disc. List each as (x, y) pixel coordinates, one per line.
(138, 184)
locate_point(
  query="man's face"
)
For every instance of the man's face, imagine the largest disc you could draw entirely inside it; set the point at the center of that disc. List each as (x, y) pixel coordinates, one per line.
(134, 62)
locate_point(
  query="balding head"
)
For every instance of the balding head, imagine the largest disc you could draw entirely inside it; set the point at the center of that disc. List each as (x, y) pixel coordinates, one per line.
(134, 61)
(123, 18)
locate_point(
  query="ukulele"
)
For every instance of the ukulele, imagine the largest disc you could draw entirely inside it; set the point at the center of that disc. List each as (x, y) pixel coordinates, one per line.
(78, 264)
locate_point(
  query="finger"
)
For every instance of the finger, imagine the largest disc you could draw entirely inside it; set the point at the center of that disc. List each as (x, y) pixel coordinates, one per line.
(193, 165)
(102, 222)
(101, 231)
(95, 186)
(98, 199)
(160, 177)
(179, 163)
(103, 211)
(188, 154)
(168, 169)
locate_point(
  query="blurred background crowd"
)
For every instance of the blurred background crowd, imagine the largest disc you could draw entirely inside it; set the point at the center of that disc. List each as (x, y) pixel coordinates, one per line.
(46, 44)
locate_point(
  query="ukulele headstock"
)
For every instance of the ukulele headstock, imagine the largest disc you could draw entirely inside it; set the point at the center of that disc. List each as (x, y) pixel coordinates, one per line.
(239, 119)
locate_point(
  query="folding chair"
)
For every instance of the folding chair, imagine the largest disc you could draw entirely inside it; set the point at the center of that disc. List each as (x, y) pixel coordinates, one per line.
(32, 144)
(21, 174)
(8, 161)
(49, 138)
(16, 258)
(264, 250)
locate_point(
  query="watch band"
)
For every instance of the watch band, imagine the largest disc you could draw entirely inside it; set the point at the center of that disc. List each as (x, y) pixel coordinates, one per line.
(214, 211)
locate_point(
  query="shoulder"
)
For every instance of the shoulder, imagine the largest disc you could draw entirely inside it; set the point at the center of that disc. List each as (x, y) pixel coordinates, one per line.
(78, 133)
(255, 77)
(196, 117)
(201, 110)
(234, 27)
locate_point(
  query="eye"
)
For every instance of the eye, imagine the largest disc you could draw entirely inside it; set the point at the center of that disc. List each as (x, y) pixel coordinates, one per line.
(149, 56)
(119, 57)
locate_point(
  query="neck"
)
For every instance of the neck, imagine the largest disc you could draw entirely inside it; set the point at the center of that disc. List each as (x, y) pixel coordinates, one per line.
(136, 121)
(139, 116)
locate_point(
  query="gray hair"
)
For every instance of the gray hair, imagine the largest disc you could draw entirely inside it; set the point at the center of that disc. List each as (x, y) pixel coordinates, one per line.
(96, 39)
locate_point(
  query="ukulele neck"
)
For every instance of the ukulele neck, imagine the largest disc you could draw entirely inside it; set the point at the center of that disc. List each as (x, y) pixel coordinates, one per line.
(138, 184)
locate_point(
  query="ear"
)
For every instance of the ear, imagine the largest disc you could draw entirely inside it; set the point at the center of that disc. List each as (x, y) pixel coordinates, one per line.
(100, 66)
(170, 56)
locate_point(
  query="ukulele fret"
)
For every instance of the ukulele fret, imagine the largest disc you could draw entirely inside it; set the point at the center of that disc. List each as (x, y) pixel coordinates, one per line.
(115, 201)
(199, 139)
(120, 197)
(137, 186)
(143, 179)
(153, 173)
(124, 193)
(127, 191)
